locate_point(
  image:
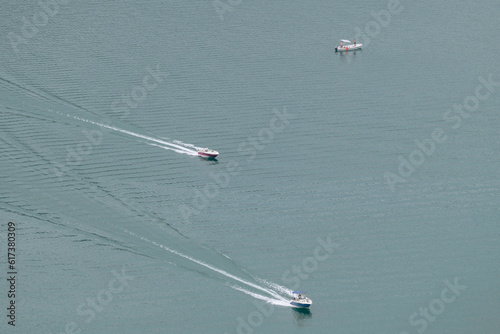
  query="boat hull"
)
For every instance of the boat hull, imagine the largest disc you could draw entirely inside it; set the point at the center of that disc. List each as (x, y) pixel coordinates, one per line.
(299, 304)
(350, 47)
(209, 154)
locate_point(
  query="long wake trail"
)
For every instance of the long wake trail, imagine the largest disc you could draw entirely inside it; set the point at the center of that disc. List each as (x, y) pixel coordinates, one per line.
(275, 299)
(269, 292)
(164, 144)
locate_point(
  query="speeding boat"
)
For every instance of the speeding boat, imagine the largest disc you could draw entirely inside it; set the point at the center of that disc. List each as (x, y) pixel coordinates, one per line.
(347, 45)
(206, 153)
(300, 299)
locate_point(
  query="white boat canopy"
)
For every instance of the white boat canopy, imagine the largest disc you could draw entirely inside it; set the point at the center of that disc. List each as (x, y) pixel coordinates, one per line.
(345, 40)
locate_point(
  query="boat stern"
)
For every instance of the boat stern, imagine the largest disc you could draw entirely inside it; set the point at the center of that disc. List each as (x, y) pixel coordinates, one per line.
(206, 153)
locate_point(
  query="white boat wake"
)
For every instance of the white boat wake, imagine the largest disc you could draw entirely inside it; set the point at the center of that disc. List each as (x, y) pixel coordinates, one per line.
(277, 287)
(184, 148)
(279, 300)
(272, 292)
(174, 149)
(187, 145)
(273, 296)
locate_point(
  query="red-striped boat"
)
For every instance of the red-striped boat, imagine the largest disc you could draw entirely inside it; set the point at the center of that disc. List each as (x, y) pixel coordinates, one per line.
(206, 153)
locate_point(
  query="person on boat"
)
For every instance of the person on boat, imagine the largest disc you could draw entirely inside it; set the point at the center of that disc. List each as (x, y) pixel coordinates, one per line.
(355, 42)
(341, 44)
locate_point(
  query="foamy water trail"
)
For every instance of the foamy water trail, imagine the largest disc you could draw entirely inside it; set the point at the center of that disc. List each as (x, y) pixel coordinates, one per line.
(206, 265)
(278, 301)
(284, 290)
(186, 144)
(175, 147)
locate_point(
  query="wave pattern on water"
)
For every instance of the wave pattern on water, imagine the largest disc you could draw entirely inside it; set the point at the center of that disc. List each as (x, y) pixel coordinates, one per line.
(276, 299)
(174, 147)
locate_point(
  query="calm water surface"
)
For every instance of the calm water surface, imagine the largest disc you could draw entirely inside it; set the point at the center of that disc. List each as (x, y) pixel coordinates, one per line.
(368, 179)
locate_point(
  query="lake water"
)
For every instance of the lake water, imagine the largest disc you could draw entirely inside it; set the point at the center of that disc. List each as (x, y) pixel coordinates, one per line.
(369, 179)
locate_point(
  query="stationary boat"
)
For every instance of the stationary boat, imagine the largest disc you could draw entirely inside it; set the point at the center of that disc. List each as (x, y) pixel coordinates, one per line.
(300, 299)
(206, 153)
(347, 45)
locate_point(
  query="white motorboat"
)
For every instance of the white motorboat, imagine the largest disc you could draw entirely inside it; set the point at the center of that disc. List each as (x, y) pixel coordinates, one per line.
(300, 299)
(207, 153)
(347, 45)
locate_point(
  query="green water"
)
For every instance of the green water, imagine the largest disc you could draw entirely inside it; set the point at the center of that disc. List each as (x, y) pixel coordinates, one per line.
(368, 179)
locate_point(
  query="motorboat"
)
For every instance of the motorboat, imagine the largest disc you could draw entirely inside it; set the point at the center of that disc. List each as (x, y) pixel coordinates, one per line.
(299, 299)
(207, 153)
(347, 45)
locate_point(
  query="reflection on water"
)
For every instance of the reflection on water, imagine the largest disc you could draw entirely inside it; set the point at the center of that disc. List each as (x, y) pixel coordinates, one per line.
(302, 316)
(210, 161)
(348, 56)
